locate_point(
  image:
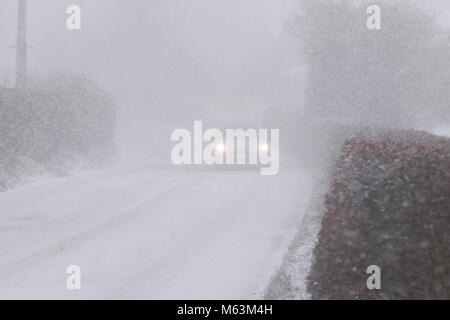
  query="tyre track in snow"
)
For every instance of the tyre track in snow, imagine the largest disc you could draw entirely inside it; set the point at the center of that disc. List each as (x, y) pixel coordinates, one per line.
(96, 231)
(216, 235)
(228, 235)
(196, 242)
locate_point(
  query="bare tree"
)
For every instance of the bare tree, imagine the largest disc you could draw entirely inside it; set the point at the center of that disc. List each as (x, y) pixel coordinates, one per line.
(396, 76)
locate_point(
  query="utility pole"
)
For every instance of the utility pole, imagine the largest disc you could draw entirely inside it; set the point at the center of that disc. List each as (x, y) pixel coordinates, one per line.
(21, 47)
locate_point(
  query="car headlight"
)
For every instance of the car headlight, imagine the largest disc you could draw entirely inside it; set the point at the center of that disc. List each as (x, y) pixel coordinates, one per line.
(220, 147)
(264, 147)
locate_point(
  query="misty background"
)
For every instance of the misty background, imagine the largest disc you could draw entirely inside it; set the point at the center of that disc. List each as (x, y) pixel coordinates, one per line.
(162, 60)
(167, 63)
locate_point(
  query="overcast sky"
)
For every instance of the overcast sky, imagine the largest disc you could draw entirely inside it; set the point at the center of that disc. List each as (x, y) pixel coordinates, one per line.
(149, 36)
(160, 50)
(142, 36)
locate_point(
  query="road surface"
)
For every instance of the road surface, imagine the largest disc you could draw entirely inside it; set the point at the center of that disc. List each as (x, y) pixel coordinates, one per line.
(152, 232)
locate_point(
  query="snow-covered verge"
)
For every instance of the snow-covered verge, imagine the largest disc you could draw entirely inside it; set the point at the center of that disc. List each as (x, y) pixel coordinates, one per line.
(60, 123)
(387, 206)
(289, 282)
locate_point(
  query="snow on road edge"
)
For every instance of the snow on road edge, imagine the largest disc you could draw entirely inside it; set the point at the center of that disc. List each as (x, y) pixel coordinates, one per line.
(290, 281)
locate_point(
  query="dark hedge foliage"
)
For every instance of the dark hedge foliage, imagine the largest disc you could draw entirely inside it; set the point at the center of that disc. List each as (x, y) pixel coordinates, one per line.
(389, 205)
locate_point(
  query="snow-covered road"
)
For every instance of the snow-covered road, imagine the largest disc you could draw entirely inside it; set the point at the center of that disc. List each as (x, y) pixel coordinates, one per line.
(152, 232)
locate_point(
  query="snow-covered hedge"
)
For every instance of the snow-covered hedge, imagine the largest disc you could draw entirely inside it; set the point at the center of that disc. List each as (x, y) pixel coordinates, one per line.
(388, 206)
(60, 122)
